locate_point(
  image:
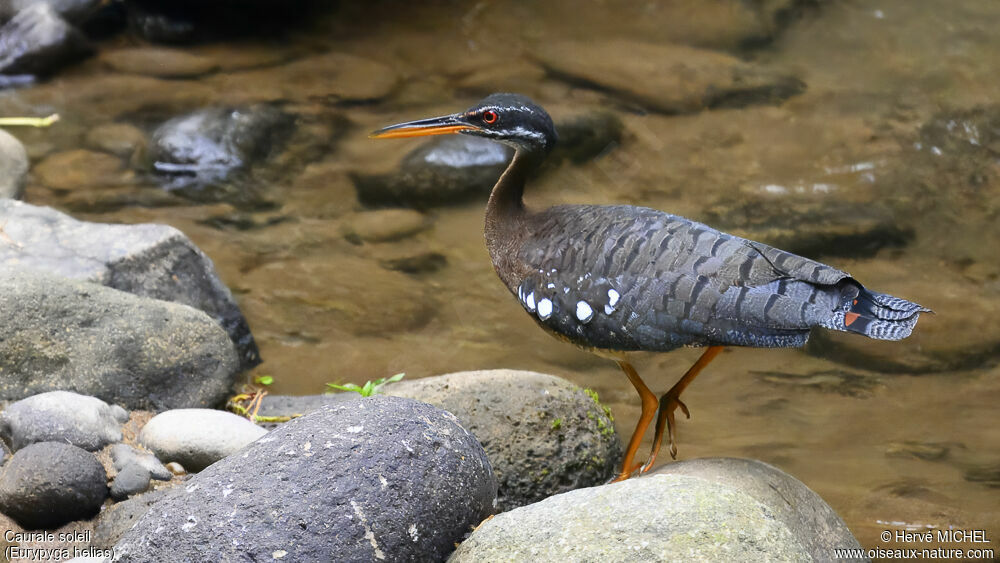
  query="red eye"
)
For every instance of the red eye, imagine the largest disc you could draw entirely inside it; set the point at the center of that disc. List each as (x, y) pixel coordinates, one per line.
(490, 116)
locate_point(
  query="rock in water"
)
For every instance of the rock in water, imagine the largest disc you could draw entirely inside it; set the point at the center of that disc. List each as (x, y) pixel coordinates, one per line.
(378, 478)
(668, 78)
(155, 261)
(36, 41)
(149, 354)
(724, 510)
(444, 171)
(48, 484)
(564, 439)
(203, 148)
(13, 166)
(62, 416)
(197, 438)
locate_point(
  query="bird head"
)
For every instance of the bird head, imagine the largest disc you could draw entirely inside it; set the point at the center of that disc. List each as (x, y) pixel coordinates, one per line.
(511, 119)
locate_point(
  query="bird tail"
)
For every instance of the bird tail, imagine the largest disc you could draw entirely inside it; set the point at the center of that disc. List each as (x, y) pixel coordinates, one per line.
(875, 315)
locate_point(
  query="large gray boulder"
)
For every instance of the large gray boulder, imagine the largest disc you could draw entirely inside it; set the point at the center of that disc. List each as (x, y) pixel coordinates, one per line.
(13, 166)
(140, 353)
(48, 484)
(378, 478)
(62, 416)
(197, 438)
(543, 434)
(148, 260)
(661, 517)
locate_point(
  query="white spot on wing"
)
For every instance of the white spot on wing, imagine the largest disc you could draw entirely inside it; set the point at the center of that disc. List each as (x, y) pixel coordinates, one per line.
(544, 308)
(584, 312)
(613, 297)
(529, 301)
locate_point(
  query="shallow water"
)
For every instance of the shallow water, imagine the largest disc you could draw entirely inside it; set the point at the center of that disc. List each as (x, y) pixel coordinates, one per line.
(892, 435)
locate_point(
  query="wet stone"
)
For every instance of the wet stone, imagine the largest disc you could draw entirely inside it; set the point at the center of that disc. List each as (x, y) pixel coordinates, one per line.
(70, 10)
(158, 61)
(62, 416)
(13, 166)
(927, 451)
(80, 168)
(312, 295)
(203, 148)
(338, 77)
(48, 484)
(396, 480)
(564, 439)
(57, 334)
(667, 78)
(384, 225)
(119, 139)
(36, 41)
(155, 261)
(449, 170)
(123, 455)
(197, 438)
(842, 382)
(131, 480)
(425, 262)
(708, 509)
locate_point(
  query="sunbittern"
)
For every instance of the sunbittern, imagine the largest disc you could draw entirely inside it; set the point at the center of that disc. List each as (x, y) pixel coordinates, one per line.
(614, 279)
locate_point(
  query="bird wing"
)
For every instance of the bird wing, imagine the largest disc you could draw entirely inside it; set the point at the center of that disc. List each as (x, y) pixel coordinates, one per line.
(626, 278)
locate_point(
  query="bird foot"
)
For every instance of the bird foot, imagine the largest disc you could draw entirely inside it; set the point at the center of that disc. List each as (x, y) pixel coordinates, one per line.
(668, 404)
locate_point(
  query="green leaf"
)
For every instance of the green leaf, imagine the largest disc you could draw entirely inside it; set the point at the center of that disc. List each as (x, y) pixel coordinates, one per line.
(346, 387)
(264, 380)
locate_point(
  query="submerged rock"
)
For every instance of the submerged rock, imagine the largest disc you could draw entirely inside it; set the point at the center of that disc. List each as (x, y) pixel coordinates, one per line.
(667, 78)
(150, 354)
(203, 148)
(159, 62)
(384, 225)
(48, 484)
(154, 261)
(197, 438)
(716, 509)
(13, 166)
(379, 478)
(36, 41)
(79, 169)
(62, 416)
(119, 139)
(445, 171)
(542, 434)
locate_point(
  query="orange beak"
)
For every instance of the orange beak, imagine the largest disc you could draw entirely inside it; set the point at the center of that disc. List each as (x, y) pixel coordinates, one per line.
(422, 127)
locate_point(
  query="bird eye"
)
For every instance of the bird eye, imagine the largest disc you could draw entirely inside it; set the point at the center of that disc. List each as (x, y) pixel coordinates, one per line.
(490, 116)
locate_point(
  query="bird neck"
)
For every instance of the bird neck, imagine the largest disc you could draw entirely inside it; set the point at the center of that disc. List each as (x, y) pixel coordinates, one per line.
(505, 212)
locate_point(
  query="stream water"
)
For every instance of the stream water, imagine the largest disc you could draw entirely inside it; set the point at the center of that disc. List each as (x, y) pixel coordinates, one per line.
(885, 164)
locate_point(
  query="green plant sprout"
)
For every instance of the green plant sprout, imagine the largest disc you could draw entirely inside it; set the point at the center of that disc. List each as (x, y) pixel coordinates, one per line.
(369, 388)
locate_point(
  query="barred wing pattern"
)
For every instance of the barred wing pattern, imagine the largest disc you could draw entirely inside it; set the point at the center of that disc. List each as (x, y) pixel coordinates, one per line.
(631, 278)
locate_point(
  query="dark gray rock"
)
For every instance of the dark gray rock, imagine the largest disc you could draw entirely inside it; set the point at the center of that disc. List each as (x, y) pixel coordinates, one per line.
(137, 352)
(288, 405)
(131, 480)
(203, 148)
(48, 484)
(379, 478)
(445, 171)
(586, 136)
(124, 455)
(716, 510)
(148, 260)
(121, 516)
(13, 166)
(62, 416)
(70, 10)
(197, 438)
(542, 434)
(36, 41)
(169, 21)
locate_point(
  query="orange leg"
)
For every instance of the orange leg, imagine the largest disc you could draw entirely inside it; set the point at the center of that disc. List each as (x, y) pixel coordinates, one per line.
(669, 403)
(648, 411)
